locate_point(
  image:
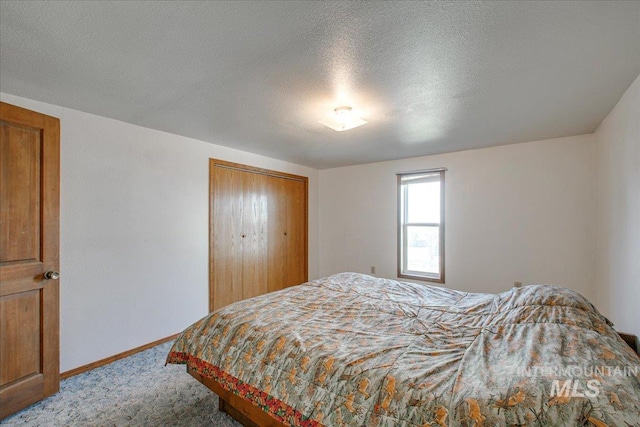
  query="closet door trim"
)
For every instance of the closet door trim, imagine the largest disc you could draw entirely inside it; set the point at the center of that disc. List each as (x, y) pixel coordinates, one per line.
(246, 168)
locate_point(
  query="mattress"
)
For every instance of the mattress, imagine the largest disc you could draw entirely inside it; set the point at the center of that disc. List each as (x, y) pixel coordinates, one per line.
(354, 350)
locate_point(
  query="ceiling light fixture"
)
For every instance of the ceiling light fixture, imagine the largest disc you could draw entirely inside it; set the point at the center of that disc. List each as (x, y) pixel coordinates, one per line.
(343, 118)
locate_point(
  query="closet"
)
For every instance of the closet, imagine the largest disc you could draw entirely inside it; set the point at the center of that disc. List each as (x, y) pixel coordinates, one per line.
(258, 231)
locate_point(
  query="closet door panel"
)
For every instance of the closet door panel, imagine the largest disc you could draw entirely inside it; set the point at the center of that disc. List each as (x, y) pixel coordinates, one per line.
(226, 236)
(254, 235)
(296, 232)
(276, 253)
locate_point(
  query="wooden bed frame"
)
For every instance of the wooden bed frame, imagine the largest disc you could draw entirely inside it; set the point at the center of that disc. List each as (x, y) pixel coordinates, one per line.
(236, 407)
(250, 415)
(632, 340)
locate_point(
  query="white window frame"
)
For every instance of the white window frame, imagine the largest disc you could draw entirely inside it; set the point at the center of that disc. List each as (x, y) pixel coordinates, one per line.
(404, 180)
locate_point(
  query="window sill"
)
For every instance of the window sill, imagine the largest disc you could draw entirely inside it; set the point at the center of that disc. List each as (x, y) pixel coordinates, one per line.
(422, 278)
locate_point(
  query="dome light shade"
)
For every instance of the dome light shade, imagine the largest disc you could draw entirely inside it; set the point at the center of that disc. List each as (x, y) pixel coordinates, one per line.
(342, 118)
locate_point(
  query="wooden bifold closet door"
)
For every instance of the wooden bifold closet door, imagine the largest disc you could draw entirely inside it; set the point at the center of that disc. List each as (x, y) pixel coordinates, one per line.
(258, 232)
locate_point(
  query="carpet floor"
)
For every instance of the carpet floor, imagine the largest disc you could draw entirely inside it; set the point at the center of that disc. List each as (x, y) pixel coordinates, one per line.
(135, 391)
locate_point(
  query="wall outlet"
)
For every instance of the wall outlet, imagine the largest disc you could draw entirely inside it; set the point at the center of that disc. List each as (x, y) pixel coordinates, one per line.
(373, 269)
(517, 284)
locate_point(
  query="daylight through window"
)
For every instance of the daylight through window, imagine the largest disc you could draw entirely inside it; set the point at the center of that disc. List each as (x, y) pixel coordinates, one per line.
(421, 225)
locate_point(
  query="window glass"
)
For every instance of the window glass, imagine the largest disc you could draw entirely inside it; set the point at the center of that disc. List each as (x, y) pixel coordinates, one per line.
(423, 249)
(424, 202)
(421, 225)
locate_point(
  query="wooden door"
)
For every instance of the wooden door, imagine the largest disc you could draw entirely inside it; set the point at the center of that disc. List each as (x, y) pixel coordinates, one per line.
(276, 252)
(287, 233)
(226, 245)
(29, 233)
(295, 243)
(255, 221)
(238, 234)
(253, 238)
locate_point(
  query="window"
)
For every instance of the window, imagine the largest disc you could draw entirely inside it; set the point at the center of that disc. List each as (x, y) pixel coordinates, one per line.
(421, 225)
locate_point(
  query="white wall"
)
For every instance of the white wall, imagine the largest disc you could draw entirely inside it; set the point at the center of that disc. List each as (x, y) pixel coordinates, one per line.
(134, 242)
(134, 231)
(618, 208)
(520, 212)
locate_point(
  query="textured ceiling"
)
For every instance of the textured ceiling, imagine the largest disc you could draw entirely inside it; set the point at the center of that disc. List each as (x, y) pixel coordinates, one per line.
(429, 77)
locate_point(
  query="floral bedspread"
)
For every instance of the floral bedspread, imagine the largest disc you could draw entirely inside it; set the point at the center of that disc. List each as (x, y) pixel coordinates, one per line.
(354, 350)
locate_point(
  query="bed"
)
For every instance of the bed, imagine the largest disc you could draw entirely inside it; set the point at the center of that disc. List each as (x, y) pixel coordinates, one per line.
(354, 350)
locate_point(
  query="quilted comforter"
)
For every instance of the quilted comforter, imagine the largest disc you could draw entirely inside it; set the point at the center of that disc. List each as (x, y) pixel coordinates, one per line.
(353, 350)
